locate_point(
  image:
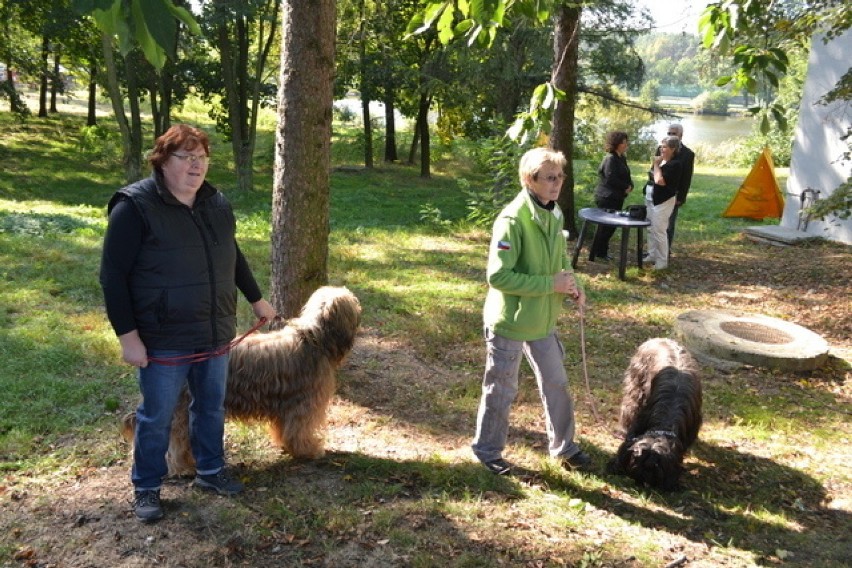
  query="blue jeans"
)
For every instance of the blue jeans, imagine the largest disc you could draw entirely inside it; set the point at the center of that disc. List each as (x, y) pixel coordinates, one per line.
(500, 387)
(161, 386)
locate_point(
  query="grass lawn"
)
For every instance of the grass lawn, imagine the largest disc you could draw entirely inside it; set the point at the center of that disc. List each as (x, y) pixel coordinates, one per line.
(768, 483)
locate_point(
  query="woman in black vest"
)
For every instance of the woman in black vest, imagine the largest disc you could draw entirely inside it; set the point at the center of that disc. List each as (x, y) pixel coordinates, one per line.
(614, 183)
(170, 272)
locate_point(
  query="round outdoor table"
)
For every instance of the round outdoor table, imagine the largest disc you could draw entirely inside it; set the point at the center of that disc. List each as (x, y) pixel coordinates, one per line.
(613, 219)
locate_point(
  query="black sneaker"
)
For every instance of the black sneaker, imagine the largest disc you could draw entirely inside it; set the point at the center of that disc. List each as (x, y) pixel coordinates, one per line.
(498, 466)
(146, 505)
(578, 462)
(219, 482)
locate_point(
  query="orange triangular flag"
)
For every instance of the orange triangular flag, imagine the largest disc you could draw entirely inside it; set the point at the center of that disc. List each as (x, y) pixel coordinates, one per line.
(759, 196)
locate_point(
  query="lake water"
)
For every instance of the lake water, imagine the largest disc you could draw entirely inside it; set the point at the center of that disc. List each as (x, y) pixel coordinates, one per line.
(707, 129)
(704, 128)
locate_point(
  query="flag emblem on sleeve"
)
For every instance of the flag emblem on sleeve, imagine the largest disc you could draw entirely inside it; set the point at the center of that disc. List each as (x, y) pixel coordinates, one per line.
(504, 245)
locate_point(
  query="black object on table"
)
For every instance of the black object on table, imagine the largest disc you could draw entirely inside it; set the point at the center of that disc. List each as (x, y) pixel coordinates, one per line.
(614, 219)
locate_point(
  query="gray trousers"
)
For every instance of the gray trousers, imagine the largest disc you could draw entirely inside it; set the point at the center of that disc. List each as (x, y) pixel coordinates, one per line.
(500, 387)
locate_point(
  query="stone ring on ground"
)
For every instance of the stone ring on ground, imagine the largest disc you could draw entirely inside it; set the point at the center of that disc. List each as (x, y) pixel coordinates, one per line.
(751, 339)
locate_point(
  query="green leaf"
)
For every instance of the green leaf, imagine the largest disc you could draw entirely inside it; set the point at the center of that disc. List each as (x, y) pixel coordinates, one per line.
(161, 24)
(433, 11)
(773, 80)
(476, 33)
(154, 53)
(722, 42)
(113, 22)
(464, 26)
(780, 55)
(185, 16)
(445, 28)
(764, 125)
(547, 102)
(539, 93)
(722, 81)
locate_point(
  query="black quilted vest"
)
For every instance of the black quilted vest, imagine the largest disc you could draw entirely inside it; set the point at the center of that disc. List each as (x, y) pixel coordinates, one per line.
(182, 284)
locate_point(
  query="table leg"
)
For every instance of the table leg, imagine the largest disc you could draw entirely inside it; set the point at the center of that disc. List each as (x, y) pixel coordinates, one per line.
(639, 247)
(622, 260)
(579, 244)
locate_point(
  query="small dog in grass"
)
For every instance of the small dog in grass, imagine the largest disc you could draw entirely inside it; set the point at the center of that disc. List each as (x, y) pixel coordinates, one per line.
(660, 413)
(285, 378)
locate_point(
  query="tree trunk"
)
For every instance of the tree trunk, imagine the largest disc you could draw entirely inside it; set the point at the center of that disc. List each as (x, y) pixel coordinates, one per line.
(415, 141)
(368, 131)
(133, 160)
(55, 83)
(242, 74)
(300, 199)
(365, 92)
(154, 95)
(92, 114)
(566, 44)
(423, 121)
(131, 131)
(390, 130)
(42, 89)
(117, 100)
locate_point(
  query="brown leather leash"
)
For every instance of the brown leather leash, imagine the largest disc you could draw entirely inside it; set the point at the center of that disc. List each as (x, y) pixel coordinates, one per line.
(589, 398)
(191, 358)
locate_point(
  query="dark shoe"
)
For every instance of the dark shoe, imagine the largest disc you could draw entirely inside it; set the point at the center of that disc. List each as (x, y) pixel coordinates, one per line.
(219, 482)
(498, 466)
(578, 462)
(146, 505)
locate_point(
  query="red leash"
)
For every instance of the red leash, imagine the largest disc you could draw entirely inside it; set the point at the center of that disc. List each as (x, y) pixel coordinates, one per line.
(205, 355)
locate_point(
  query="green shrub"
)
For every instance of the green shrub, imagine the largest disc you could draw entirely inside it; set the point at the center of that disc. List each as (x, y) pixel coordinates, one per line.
(712, 102)
(100, 144)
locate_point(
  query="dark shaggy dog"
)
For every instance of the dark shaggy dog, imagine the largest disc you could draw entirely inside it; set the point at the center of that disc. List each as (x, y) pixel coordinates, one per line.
(660, 413)
(285, 378)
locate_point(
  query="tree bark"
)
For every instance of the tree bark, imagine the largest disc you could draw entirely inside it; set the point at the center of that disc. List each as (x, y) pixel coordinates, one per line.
(55, 83)
(42, 89)
(566, 43)
(92, 111)
(415, 141)
(425, 149)
(368, 132)
(390, 130)
(300, 200)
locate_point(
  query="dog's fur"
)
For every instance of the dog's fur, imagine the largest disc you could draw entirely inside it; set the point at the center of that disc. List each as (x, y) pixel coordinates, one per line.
(285, 378)
(660, 413)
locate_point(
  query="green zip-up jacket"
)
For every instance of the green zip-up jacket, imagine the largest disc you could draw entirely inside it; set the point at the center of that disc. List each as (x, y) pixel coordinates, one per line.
(527, 249)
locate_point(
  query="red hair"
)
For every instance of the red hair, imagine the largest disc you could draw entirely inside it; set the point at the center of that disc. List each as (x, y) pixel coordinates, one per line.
(178, 137)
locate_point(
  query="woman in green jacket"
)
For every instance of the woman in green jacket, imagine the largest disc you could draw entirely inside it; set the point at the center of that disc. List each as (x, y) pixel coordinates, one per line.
(528, 278)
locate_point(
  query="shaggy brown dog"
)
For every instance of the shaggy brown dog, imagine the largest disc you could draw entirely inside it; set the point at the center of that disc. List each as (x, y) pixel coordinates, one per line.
(660, 413)
(285, 378)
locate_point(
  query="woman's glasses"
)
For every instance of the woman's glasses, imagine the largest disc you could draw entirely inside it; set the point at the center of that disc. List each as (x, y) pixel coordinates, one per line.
(192, 158)
(551, 178)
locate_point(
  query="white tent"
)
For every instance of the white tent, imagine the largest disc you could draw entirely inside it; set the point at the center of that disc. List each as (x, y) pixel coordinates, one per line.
(817, 162)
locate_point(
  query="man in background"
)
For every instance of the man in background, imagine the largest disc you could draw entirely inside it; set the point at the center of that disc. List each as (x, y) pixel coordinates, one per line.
(687, 159)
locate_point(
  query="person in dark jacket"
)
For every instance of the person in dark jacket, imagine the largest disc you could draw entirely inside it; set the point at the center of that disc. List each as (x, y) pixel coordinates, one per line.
(687, 159)
(660, 197)
(170, 271)
(614, 184)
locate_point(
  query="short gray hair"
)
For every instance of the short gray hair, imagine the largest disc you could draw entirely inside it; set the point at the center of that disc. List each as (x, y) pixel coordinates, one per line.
(532, 161)
(672, 142)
